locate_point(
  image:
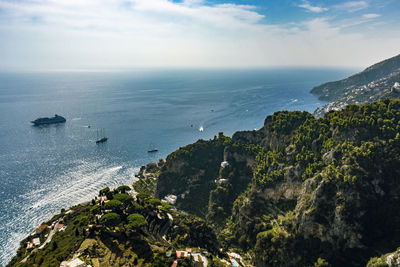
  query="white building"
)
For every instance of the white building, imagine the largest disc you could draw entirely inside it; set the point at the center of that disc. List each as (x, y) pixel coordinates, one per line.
(36, 241)
(170, 199)
(224, 164)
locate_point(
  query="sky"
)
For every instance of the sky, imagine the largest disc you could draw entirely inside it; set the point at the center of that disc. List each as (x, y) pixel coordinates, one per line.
(123, 34)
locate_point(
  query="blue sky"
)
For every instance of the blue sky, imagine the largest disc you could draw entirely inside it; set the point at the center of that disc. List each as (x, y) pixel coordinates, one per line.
(115, 34)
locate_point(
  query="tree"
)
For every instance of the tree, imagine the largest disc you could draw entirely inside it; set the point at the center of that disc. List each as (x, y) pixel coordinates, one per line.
(104, 191)
(110, 219)
(95, 209)
(136, 221)
(134, 208)
(124, 198)
(141, 197)
(123, 188)
(154, 202)
(114, 205)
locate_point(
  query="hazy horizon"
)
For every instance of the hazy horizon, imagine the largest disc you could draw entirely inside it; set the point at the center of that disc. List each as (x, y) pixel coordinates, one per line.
(126, 34)
(351, 69)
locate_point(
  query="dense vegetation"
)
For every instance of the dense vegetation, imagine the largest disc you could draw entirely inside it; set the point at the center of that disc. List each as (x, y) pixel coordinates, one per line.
(352, 159)
(190, 171)
(117, 229)
(317, 190)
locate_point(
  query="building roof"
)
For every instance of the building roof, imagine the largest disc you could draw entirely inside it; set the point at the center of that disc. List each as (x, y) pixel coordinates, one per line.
(36, 241)
(181, 253)
(42, 227)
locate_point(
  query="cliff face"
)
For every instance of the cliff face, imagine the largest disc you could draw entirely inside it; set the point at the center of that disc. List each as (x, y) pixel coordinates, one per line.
(190, 173)
(202, 186)
(377, 82)
(345, 210)
(302, 189)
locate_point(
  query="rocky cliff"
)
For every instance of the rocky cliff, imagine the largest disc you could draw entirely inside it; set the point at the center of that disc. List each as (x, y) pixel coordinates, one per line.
(303, 190)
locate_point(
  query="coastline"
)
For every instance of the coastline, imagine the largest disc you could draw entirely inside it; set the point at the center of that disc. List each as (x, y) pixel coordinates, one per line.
(111, 170)
(143, 219)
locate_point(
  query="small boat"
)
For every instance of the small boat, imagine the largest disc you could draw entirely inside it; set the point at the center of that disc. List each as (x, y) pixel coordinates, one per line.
(102, 140)
(152, 150)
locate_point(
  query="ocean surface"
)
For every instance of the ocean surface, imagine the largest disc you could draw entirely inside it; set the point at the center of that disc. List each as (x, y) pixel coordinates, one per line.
(44, 169)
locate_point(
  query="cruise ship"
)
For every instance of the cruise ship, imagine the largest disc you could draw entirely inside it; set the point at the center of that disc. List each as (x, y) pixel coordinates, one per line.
(43, 121)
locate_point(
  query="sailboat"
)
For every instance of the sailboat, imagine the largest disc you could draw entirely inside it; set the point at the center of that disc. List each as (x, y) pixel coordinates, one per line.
(102, 139)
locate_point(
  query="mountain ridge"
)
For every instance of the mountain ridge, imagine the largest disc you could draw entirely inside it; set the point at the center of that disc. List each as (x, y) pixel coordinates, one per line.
(372, 84)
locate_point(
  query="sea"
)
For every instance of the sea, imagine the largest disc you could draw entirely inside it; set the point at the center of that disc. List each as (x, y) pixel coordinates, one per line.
(47, 168)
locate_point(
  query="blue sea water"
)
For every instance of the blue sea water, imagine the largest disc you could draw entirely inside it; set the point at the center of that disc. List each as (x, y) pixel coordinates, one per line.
(44, 169)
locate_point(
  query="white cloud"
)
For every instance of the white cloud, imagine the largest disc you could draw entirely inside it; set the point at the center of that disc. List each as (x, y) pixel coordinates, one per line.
(352, 6)
(371, 16)
(69, 34)
(311, 8)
